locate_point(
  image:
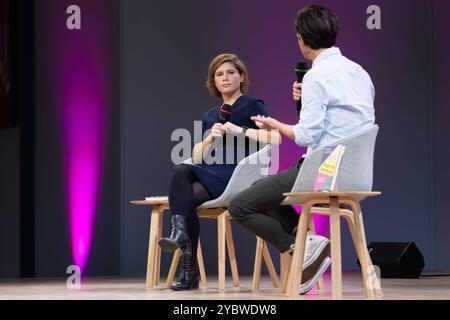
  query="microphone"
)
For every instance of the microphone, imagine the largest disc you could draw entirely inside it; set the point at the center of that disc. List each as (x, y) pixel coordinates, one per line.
(300, 70)
(225, 113)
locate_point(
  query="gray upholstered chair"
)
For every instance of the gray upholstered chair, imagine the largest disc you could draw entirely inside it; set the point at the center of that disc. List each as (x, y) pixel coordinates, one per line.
(248, 171)
(356, 170)
(354, 184)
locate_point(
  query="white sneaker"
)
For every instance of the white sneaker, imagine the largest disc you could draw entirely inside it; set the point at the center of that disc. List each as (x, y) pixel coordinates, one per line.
(308, 285)
(315, 247)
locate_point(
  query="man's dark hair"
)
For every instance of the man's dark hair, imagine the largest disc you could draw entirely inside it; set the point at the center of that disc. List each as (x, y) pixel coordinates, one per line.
(318, 26)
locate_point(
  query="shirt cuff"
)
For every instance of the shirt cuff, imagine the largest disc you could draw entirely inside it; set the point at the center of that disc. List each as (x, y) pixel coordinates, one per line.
(298, 135)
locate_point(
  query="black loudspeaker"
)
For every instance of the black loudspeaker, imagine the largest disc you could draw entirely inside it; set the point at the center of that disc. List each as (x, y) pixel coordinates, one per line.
(397, 259)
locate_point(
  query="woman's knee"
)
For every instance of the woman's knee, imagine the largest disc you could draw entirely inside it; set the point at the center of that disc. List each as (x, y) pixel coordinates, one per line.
(180, 169)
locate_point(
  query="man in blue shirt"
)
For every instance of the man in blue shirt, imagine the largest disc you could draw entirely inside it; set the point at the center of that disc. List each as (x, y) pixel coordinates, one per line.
(337, 101)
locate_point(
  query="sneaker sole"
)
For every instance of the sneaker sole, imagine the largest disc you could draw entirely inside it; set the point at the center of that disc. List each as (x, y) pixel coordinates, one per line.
(311, 266)
(313, 281)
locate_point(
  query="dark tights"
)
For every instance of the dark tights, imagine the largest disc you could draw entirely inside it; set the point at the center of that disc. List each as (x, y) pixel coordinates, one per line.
(186, 193)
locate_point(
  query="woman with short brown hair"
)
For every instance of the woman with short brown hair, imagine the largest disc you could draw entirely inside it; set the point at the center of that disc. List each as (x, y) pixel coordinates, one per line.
(192, 185)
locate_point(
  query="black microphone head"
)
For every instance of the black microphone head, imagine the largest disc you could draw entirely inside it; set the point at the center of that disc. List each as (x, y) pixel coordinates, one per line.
(300, 70)
(225, 113)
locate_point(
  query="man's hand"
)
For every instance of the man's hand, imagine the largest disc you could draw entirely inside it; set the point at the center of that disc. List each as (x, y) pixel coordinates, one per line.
(267, 123)
(297, 91)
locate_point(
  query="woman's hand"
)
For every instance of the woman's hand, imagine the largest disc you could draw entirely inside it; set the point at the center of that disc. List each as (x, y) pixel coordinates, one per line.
(297, 91)
(267, 123)
(231, 128)
(218, 130)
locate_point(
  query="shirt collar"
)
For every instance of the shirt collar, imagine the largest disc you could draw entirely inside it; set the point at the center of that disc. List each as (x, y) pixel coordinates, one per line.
(325, 54)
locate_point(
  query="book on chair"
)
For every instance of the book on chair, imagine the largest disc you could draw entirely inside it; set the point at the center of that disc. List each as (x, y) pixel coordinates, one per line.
(156, 198)
(328, 171)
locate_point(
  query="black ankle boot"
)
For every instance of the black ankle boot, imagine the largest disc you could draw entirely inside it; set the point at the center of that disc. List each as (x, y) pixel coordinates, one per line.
(189, 276)
(178, 238)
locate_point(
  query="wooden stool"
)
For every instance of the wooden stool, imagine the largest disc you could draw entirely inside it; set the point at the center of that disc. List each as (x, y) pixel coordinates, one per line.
(356, 225)
(224, 234)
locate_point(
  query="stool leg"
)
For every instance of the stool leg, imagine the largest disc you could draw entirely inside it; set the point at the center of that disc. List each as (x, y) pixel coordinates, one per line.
(312, 230)
(152, 243)
(157, 272)
(295, 272)
(363, 261)
(258, 264)
(356, 243)
(173, 268)
(231, 252)
(370, 276)
(221, 249)
(335, 237)
(201, 264)
(270, 266)
(285, 264)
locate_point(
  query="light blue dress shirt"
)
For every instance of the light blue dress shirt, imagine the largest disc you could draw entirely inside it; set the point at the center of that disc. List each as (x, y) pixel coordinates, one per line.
(337, 101)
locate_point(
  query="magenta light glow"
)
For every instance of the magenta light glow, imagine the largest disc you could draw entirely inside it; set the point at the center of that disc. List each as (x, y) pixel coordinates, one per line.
(82, 120)
(81, 79)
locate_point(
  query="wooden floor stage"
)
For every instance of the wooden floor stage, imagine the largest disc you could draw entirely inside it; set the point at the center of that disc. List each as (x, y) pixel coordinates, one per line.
(425, 288)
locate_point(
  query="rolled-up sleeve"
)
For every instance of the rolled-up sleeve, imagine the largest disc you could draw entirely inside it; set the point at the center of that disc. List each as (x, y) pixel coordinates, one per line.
(312, 117)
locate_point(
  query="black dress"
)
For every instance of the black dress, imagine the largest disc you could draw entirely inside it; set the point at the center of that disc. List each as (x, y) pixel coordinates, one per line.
(215, 177)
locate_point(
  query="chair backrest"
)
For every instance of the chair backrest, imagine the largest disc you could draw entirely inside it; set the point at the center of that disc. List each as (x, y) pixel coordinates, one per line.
(248, 171)
(356, 170)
